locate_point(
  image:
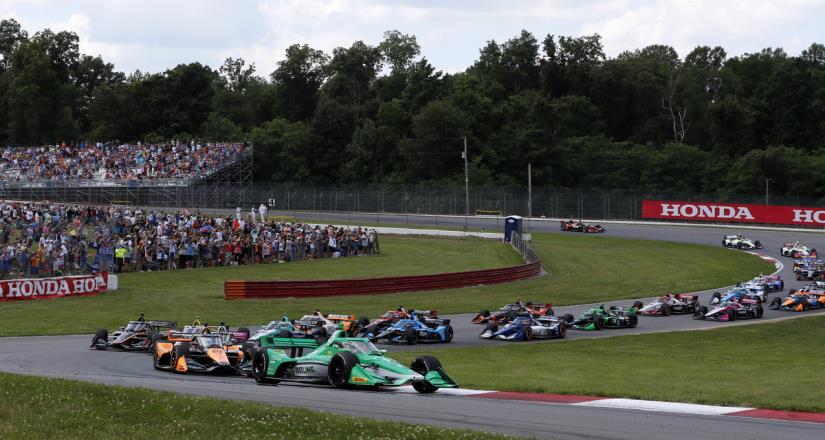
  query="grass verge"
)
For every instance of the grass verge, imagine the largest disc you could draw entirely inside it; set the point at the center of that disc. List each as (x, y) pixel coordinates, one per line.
(184, 294)
(40, 408)
(582, 269)
(769, 365)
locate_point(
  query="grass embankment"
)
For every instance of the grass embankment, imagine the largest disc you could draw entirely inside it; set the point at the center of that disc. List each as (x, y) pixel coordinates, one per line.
(184, 294)
(769, 365)
(39, 408)
(583, 269)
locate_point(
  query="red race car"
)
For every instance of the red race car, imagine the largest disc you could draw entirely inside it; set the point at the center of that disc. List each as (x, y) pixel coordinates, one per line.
(574, 226)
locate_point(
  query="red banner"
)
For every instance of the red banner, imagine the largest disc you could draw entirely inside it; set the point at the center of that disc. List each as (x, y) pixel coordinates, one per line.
(48, 288)
(733, 213)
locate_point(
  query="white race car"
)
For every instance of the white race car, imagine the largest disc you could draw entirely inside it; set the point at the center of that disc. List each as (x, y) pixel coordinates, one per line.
(741, 242)
(797, 250)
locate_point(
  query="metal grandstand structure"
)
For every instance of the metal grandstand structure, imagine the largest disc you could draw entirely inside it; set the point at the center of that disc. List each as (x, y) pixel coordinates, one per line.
(228, 186)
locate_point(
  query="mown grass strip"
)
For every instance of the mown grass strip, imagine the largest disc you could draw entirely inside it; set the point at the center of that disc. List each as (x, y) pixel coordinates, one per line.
(40, 408)
(769, 365)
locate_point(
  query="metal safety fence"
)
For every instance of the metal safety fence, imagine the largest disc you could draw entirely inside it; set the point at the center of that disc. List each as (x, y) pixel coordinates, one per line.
(401, 199)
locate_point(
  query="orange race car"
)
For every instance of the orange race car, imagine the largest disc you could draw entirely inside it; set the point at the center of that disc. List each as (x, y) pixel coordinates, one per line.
(197, 351)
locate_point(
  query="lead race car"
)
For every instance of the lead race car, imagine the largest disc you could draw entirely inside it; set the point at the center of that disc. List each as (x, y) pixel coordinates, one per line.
(525, 328)
(376, 326)
(670, 305)
(739, 241)
(137, 335)
(797, 250)
(344, 362)
(574, 226)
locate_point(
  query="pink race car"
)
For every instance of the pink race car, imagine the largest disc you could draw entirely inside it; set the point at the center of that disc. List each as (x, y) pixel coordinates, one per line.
(732, 310)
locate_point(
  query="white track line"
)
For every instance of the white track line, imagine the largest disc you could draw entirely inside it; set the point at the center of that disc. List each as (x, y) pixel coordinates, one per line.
(669, 407)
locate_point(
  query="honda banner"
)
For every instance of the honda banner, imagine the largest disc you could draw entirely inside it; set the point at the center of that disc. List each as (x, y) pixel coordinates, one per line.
(733, 213)
(47, 288)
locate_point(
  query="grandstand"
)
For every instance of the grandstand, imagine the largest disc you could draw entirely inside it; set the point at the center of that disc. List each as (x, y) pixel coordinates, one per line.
(171, 175)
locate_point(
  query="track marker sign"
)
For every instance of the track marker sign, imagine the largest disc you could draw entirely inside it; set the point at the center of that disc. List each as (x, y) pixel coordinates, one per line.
(733, 213)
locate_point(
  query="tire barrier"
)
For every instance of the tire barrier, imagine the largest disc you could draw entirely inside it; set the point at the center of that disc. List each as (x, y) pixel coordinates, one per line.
(238, 289)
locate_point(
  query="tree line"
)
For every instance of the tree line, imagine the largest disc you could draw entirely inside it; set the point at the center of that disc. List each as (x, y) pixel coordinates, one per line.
(646, 120)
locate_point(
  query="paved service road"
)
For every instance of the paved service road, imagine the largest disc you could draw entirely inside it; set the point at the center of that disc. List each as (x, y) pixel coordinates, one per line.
(69, 357)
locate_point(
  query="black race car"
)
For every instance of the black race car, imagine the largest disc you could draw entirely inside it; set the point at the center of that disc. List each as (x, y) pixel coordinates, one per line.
(138, 335)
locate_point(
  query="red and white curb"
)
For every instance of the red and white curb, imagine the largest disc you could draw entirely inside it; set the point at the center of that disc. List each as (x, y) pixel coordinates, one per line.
(776, 263)
(632, 404)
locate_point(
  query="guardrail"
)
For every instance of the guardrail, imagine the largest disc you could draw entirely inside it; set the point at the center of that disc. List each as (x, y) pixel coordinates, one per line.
(239, 289)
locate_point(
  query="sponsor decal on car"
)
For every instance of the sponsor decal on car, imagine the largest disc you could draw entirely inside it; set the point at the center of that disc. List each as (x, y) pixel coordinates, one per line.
(359, 379)
(304, 370)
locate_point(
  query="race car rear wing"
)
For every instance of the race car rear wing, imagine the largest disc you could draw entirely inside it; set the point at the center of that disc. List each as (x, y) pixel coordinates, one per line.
(426, 313)
(686, 296)
(334, 317)
(749, 301)
(162, 324)
(273, 342)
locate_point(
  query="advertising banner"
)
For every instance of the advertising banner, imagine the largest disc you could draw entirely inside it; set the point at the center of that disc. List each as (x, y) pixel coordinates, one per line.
(48, 288)
(733, 213)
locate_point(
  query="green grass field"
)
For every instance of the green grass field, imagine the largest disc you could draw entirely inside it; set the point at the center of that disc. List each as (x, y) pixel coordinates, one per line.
(40, 408)
(768, 365)
(582, 269)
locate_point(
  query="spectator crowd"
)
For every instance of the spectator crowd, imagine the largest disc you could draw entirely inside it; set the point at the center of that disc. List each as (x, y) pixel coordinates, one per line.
(43, 239)
(104, 161)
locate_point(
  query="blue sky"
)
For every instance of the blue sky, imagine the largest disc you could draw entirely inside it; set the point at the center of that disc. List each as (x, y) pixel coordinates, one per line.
(153, 35)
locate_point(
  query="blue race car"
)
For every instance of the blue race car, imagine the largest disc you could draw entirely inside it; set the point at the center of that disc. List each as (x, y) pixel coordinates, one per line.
(526, 327)
(740, 292)
(422, 326)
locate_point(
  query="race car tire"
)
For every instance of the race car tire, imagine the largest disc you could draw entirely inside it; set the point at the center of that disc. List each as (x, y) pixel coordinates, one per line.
(528, 333)
(562, 227)
(633, 320)
(448, 334)
(562, 331)
(260, 365)
(598, 322)
(100, 335)
(700, 312)
(485, 313)
(757, 244)
(731, 315)
(638, 305)
(156, 360)
(363, 322)
(340, 368)
(665, 309)
(568, 318)
(423, 365)
(759, 312)
(776, 303)
(410, 336)
(549, 312)
(181, 349)
(424, 387)
(716, 296)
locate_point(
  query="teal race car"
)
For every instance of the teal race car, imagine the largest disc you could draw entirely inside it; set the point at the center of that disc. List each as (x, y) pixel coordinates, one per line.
(343, 363)
(605, 317)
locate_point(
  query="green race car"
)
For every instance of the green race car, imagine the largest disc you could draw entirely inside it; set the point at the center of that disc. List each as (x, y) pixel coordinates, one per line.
(343, 362)
(604, 317)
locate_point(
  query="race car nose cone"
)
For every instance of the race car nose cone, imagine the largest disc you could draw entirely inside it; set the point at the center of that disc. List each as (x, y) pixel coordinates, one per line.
(218, 355)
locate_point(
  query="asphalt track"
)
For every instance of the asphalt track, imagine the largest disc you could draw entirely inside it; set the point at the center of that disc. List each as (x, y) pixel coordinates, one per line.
(69, 357)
